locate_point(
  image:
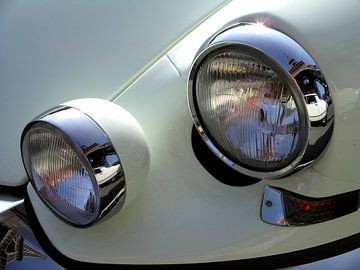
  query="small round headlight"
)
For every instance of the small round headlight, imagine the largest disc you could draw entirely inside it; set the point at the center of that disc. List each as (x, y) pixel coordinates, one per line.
(61, 176)
(74, 167)
(247, 94)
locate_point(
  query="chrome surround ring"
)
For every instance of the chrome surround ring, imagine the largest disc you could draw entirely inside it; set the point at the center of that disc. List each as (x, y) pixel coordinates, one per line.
(298, 70)
(93, 148)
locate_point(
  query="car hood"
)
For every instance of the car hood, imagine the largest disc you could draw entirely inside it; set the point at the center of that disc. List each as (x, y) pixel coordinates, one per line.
(54, 52)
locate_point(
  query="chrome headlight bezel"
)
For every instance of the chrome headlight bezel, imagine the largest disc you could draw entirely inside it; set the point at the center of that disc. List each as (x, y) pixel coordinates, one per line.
(85, 137)
(276, 50)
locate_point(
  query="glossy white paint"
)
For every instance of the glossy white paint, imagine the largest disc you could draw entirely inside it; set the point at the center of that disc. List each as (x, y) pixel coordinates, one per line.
(127, 137)
(183, 214)
(52, 52)
(333, 43)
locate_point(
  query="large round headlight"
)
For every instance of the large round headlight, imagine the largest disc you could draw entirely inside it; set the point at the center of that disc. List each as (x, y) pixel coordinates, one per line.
(73, 165)
(248, 101)
(248, 110)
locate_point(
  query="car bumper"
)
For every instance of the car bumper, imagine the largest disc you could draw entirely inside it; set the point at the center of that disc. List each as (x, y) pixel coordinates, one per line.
(24, 244)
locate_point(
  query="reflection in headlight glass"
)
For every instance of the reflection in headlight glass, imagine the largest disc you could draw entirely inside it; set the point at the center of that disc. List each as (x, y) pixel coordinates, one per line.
(61, 177)
(248, 111)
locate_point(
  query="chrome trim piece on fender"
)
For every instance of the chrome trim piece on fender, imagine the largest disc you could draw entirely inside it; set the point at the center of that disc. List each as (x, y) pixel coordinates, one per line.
(272, 207)
(304, 78)
(93, 147)
(285, 208)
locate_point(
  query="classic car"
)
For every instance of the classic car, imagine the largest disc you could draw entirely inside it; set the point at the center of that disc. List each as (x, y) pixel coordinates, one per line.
(176, 134)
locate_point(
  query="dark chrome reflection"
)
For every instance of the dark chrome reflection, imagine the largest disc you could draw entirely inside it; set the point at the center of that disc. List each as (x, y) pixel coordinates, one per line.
(92, 146)
(19, 248)
(315, 90)
(301, 76)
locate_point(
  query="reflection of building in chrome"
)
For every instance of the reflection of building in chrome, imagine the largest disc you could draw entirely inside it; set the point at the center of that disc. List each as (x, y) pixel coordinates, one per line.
(101, 154)
(12, 247)
(104, 161)
(315, 90)
(298, 66)
(310, 79)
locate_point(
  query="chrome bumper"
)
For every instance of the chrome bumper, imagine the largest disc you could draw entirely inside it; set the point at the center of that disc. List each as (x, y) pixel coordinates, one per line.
(19, 248)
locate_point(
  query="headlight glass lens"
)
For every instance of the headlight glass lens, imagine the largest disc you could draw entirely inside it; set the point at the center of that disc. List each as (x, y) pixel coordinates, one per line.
(247, 110)
(61, 178)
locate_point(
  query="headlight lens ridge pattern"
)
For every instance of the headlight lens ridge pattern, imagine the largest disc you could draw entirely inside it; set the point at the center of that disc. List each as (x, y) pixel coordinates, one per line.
(73, 166)
(247, 110)
(61, 178)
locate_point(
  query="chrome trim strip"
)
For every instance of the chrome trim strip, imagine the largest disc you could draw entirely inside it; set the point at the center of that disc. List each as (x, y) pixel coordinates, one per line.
(285, 208)
(290, 61)
(94, 148)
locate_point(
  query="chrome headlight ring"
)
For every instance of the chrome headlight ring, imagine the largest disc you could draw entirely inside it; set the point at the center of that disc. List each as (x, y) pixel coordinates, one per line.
(93, 173)
(295, 68)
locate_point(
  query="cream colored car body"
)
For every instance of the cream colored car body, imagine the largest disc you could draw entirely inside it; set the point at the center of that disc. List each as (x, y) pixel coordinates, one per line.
(183, 214)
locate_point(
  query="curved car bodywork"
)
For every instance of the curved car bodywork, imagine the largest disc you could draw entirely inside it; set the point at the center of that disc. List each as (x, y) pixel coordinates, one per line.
(183, 214)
